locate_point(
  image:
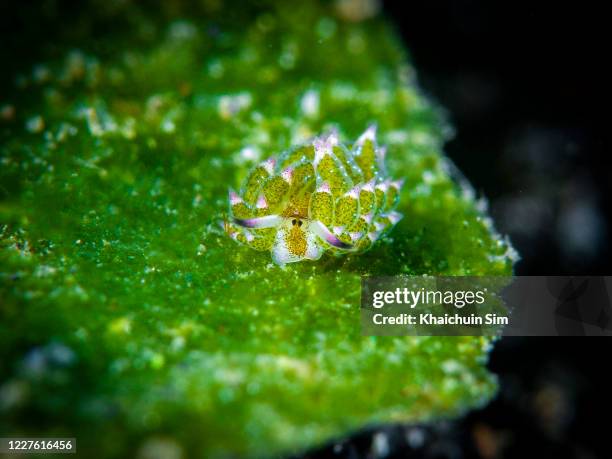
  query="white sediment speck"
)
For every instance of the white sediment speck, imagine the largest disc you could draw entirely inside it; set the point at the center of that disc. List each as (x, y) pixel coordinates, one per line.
(310, 103)
(451, 366)
(482, 205)
(168, 126)
(380, 445)
(65, 130)
(248, 154)
(35, 124)
(99, 122)
(397, 136)
(428, 177)
(423, 138)
(44, 271)
(230, 105)
(415, 437)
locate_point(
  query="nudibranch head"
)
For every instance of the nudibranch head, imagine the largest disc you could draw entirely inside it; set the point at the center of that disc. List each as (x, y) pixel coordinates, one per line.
(316, 197)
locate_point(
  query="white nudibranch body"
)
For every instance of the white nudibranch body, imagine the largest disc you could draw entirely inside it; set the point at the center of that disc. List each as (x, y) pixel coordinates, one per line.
(316, 197)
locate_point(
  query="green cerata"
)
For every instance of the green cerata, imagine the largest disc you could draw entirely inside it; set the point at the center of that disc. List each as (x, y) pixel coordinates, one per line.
(321, 196)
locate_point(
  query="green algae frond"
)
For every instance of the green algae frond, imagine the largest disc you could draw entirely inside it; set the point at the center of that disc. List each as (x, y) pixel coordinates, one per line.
(128, 318)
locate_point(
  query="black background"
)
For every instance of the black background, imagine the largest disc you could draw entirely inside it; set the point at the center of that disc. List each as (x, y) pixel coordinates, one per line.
(525, 86)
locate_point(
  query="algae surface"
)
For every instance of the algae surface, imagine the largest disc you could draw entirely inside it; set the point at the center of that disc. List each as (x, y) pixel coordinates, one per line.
(128, 319)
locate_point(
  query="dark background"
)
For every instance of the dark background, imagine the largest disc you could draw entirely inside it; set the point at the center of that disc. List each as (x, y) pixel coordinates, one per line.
(525, 87)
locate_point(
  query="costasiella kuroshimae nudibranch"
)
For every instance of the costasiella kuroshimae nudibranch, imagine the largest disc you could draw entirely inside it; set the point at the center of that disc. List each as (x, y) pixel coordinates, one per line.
(316, 197)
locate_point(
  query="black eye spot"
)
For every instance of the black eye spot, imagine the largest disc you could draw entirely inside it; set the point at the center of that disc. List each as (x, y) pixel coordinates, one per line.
(293, 222)
(300, 222)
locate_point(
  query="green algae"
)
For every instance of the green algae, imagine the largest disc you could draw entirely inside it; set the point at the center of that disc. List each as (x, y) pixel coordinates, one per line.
(128, 318)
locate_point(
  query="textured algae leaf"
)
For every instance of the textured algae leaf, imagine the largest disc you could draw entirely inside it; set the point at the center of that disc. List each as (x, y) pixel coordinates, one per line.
(130, 320)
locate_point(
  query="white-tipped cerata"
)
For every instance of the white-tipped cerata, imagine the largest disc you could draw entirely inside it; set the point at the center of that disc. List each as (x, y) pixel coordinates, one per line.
(287, 175)
(355, 236)
(322, 147)
(353, 192)
(323, 188)
(234, 198)
(369, 134)
(383, 186)
(332, 137)
(269, 165)
(379, 226)
(262, 203)
(397, 184)
(368, 217)
(395, 217)
(369, 186)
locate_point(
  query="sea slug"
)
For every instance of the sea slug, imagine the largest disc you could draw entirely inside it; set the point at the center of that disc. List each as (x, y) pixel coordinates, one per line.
(316, 197)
